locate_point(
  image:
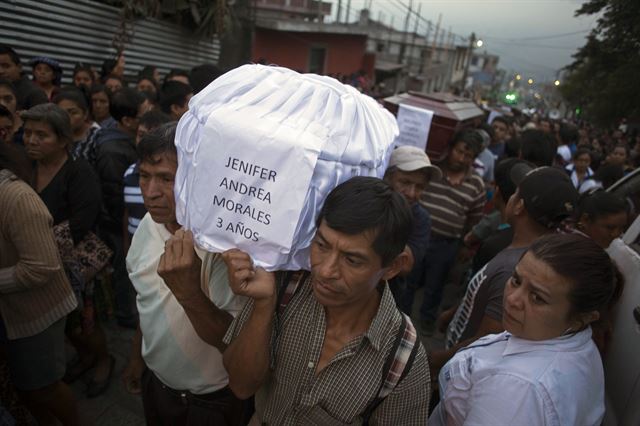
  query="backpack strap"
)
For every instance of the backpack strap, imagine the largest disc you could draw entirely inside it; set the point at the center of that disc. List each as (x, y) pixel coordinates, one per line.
(288, 283)
(397, 366)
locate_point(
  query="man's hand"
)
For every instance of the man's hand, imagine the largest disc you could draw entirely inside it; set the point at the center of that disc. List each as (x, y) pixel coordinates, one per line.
(180, 266)
(132, 375)
(445, 318)
(246, 280)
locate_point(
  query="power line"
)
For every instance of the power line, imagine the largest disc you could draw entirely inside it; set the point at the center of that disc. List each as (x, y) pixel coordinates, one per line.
(541, 46)
(538, 37)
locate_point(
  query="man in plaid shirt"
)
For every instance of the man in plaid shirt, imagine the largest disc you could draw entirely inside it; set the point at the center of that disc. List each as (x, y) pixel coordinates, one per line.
(322, 359)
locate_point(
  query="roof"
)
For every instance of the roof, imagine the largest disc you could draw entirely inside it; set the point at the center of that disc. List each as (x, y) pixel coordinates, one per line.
(300, 26)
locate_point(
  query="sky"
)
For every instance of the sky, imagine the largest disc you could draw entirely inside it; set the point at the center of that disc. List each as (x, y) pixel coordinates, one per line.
(534, 38)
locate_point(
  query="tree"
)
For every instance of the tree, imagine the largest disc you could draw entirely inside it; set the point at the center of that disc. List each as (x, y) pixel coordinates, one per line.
(206, 18)
(602, 81)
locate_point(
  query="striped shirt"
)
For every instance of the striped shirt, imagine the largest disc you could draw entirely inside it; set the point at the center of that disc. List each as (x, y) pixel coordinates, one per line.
(293, 394)
(133, 198)
(86, 148)
(454, 207)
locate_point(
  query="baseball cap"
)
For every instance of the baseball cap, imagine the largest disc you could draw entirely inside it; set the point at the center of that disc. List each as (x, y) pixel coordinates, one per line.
(548, 193)
(504, 175)
(411, 158)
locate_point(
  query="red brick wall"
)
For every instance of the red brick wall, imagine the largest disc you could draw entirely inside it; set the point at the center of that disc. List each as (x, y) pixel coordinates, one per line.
(344, 52)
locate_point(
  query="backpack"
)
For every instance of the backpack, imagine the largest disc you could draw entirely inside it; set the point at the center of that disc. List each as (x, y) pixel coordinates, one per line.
(398, 362)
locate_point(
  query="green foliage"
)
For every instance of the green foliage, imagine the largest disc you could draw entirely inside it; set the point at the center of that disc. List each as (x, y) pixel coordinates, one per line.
(603, 79)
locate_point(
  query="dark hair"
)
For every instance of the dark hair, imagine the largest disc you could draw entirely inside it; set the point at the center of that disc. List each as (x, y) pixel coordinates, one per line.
(107, 67)
(512, 148)
(470, 138)
(202, 75)
(54, 116)
(7, 83)
(599, 204)
(502, 175)
(502, 119)
(173, 73)
(113, 77)
(597, 283)
(153, 119)
(74, 95)
(608, 174)
(125, 103)
(623, 146)
(8, 50)
(147, 72)
(537, 147)
(487, 128)
(364, 204)
(13, 158)
(174, 93)
(98, 88)
(157, 142)
(80, 67)
(4, 112)
(568, 133)
(582, 151)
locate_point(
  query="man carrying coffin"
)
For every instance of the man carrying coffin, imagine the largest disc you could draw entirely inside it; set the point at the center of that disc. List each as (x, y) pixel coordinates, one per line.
(315, 347)
(184, 382)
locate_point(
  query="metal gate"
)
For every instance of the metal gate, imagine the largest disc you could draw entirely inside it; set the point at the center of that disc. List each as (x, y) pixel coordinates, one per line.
(82, 31)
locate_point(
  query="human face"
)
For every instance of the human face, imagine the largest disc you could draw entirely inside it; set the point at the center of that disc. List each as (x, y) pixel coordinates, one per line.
(536, 301)
(582, 163)
(8, 69)
(43, 74)
(500, 131)
(6, 130)
(41, 142)
(460, 157)
(8, 99)
(145, 85)
(605, 229)
(113, 84)
(77, 116)
(618, 156)
(410, 184)
(100, 106)
(345, 268)
(514, 206)
(142, 130)
(545, 126)
(156, 183)
(82, 79)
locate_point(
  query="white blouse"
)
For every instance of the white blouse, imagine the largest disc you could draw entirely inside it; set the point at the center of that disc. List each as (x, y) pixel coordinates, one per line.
(504, 380)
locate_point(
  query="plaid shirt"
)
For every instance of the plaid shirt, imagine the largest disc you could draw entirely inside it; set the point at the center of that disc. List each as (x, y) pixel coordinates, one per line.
(339, 394)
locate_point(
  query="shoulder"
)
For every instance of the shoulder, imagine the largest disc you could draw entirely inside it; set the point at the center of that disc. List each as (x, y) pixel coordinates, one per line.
(475, 180)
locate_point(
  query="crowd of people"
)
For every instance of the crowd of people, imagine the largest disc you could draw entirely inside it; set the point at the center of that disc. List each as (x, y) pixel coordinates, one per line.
(515, 215)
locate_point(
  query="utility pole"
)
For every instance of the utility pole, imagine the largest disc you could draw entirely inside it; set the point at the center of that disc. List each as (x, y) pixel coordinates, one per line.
(472, 41)
(413, 38)
(403, 44)
(433, 44)
(346, 20)
(339, 11)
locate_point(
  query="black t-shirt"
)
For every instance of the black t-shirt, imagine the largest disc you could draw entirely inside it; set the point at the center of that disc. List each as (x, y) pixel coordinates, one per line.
(74, 195)
(491, 246)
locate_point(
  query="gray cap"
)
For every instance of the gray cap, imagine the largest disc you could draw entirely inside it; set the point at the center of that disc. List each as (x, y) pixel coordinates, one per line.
(410, 158)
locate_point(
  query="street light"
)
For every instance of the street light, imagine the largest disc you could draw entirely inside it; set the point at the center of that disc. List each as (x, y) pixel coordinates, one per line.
(557, 82)
(479, 43)
(530, 81)
(518, 77)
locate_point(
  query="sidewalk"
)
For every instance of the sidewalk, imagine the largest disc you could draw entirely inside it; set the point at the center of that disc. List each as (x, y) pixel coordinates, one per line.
(116, 407)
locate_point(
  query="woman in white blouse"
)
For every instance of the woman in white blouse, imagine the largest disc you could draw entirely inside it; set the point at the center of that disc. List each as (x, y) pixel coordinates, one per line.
(544, 369)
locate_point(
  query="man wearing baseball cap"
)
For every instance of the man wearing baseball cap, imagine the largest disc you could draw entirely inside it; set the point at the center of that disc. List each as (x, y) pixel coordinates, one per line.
(408, 173)
(543, 199)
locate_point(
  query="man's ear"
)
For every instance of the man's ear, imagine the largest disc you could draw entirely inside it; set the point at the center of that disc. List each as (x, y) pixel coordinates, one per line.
(402, 261)
(519, 208)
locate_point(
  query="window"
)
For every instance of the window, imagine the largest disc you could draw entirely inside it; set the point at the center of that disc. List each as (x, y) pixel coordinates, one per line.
(316, 60)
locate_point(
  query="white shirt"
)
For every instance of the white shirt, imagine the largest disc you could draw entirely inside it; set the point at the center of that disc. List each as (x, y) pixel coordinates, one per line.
(171, 348)
(501, 380)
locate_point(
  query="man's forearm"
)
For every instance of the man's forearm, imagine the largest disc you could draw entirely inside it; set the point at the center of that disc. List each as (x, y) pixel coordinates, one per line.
(209, 321)
(247, 357)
